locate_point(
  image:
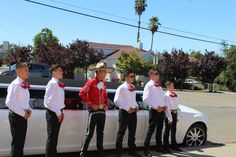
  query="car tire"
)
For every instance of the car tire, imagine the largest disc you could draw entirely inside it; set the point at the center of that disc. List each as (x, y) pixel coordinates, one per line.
(196, 135)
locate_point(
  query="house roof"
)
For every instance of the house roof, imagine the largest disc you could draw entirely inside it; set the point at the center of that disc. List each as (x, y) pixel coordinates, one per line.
(114, 50)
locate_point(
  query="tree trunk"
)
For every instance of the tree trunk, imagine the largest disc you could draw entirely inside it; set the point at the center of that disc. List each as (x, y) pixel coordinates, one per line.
(152, 41)
(138, 28)
(181, 84)
(211, 87)
(86, 74)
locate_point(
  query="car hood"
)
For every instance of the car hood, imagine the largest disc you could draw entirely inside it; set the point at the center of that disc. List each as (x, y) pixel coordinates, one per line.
(189, 110)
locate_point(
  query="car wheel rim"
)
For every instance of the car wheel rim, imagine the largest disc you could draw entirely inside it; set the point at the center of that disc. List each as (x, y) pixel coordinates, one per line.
(195, 137)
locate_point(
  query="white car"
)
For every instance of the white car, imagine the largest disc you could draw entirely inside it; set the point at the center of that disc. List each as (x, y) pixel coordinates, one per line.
(191, 129)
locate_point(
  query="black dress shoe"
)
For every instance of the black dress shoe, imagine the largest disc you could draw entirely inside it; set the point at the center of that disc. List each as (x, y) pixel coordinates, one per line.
(176, 149)
(148, 154)
(134, 154)
(167, 150)
(118, 154)
(161, 150)
(83, 154)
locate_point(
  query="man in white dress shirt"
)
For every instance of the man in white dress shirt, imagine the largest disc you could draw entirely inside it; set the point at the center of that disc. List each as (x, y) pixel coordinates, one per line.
(153, 97)
(172, 116)
(17, 101)
(125, 98)
(54, 102)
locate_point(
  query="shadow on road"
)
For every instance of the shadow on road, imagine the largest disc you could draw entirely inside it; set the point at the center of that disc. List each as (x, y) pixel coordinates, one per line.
(187, 152)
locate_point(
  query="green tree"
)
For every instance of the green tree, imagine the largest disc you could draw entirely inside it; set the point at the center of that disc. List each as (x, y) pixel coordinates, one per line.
(153, 26)
(130, 61)
(45, 38)
(228, 76)
(139, 7)
(195, 55)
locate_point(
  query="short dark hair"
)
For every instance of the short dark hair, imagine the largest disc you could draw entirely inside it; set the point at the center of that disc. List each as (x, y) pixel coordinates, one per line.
(127, 72)
(20, 65)
(168, 83)
(151, 71)
(54, 67)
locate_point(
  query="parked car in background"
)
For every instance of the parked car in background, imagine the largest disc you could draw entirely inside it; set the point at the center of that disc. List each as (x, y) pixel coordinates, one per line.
(193, 84)
(192, 81)
(36, 70)
(192, 126)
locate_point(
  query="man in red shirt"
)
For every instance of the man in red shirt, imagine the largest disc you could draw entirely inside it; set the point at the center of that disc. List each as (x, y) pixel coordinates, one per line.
(95, 96)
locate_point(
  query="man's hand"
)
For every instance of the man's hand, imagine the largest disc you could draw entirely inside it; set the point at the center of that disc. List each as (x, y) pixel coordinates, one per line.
(30, 112)
(95, 107)
(160, 109)
(170, 122)
(137, 109)
(130, 111)
(27, 115)
(105, 108)
(61, 117)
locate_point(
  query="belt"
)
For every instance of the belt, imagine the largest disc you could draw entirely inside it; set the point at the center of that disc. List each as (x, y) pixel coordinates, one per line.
(173, 111)
(97, 111)
(156, 109)
(53, 111)
(101, 106)
(133, 110)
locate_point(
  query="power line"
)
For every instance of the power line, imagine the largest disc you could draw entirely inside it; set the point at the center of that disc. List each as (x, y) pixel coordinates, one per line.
(122, 23)
(129, 19)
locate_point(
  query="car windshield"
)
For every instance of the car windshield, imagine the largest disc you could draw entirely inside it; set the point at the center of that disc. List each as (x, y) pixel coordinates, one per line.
(12, 67)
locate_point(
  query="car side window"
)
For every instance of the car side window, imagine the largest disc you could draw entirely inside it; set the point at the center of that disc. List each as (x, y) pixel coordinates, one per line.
(73, 101)
(3, 94)
(37, 99)
(35, 67)
(139, 99)
(112, 105)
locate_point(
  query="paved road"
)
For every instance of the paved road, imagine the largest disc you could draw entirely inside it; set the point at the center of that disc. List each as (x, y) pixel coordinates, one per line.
(221, 110)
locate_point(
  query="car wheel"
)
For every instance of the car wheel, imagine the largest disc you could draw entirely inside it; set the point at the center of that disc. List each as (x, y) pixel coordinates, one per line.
(196, 135)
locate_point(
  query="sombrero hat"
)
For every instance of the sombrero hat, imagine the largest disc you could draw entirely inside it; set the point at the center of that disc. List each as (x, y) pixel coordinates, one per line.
(101, 66)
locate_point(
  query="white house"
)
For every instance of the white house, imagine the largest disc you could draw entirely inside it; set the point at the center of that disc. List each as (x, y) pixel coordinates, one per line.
(113, 52)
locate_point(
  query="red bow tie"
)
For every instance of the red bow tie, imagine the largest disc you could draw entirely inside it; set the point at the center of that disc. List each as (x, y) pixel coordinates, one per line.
(173, 94)
(131, 88)
(25, 85)
(157, 84)
(61, 84)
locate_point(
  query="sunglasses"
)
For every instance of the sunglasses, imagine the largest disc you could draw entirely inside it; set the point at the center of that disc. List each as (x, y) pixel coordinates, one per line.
(155, 74)
(132, 76)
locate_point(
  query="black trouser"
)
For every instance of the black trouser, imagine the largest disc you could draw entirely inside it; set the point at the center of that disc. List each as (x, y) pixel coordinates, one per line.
(53, 128)
(130, 121)
(18, 126)
(156, 120)
(171, 128)
(95, 119)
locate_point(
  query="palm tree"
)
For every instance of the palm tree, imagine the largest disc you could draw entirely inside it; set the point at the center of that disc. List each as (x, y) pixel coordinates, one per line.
(140, 6)
(153, 26)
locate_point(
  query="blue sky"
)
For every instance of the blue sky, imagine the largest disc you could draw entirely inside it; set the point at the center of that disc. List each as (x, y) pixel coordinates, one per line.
(21, 21)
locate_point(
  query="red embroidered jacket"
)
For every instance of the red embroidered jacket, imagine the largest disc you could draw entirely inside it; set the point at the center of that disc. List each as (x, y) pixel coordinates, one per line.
(91, 95)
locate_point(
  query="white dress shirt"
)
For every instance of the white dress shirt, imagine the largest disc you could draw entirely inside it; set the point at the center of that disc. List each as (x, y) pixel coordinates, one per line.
(172, 103)
(54, 96)
(17, 99)
(124, 98)
(153, 96)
